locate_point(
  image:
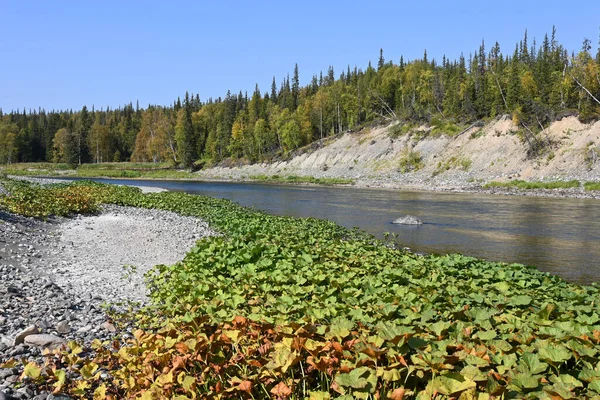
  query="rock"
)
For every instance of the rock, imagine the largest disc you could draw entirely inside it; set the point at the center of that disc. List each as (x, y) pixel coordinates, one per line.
(408, 220)
(20, 337)
(57, 397)
(109, 327)
(6, 341)
(4, 396)
(26, 392)
(45, 341)
(63, 327)
(6, 372)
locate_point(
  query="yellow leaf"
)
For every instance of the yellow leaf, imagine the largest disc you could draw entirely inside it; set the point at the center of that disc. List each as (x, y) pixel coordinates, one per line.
(170, 342)
(100, 392)
(60, 376)
(75, 348)
(188, 383)
(82, 386)
(232, 334)
(88, 370)
(31, 370)
(164, 379)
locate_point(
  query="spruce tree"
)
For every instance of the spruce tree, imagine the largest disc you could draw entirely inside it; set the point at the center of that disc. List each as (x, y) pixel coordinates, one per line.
(295, 88)
(274, 91)
(184, 134)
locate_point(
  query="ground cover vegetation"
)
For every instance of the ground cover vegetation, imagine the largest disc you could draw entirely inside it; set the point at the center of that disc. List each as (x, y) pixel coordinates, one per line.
(520, 184)
(280, 307)
(536, 83)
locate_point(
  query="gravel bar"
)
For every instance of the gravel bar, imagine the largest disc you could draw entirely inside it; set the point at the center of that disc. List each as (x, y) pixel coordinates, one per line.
(57, 276)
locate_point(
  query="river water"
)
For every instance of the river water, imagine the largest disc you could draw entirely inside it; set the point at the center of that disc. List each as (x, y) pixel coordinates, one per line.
(561, 236)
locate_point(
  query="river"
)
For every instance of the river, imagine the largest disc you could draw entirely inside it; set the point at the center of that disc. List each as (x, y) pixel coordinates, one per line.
(560, 236)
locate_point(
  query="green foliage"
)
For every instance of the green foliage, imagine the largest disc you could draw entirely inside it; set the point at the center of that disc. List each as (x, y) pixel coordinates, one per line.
(410, 161)
(533, 88)
(302, 308)
(453, 162)
(535, 185)
(399, 129)
(36, 201)
(444, 127)
(130, 166)
(592, 186)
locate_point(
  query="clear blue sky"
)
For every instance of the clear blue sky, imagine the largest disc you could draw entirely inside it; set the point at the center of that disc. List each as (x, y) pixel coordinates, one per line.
(64, 54)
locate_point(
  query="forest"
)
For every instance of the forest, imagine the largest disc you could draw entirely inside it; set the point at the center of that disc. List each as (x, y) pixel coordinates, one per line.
(536, 83)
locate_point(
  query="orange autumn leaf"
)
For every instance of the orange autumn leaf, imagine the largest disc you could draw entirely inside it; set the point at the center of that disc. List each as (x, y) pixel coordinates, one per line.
(246, 386)
(281, 390)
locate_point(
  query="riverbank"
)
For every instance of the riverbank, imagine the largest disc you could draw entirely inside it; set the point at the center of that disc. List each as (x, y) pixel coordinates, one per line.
(458, 184)
(293, 308)
(59, 276)
(272, 307)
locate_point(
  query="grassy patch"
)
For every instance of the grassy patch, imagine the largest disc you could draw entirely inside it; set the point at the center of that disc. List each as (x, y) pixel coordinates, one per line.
(103, 170)
(444, 127)
(535, 185)
(126, 166)
(592, 186)
(42, 166)
(410, 161)
(292, 308)
(462, 163)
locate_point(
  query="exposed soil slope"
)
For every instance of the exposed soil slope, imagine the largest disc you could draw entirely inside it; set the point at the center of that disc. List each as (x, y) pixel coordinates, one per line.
(495, 151)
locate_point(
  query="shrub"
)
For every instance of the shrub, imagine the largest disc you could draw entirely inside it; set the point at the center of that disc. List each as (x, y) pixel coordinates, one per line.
(410, 161)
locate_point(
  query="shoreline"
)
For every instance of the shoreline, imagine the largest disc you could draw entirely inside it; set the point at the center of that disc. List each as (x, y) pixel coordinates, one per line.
(383, 184)
(483, 283)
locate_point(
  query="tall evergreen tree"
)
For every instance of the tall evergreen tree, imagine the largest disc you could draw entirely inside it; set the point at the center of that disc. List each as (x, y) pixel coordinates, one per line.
(381, 61)
(184, 134)
(295, 88)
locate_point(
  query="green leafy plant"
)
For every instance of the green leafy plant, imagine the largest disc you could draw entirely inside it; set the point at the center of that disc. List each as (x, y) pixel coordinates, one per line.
(292, 308)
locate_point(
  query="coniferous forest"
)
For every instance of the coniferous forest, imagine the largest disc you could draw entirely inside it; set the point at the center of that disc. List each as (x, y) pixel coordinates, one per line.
(535, 83)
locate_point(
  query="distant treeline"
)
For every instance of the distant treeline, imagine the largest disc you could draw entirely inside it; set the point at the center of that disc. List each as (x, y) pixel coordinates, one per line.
(535, 83)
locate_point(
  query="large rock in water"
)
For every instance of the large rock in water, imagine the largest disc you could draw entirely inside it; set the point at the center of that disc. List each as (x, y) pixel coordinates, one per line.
(408, 220)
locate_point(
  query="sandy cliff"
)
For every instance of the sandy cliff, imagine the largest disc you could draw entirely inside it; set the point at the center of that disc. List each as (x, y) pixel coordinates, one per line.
(496, 151)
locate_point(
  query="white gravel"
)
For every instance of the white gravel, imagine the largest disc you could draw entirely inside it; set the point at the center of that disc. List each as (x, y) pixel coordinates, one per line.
(92, 251)
(104, 257)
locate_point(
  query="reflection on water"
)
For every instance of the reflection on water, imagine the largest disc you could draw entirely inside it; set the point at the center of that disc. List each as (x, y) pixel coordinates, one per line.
(561, 236)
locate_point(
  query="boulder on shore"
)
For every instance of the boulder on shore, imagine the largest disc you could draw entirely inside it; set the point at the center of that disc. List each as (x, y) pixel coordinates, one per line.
(408, 220)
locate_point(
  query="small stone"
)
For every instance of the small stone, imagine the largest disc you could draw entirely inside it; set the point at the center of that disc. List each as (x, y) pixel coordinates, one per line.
(63, 327)
(109, 327)
(57, 397)
(20, 337)
(25, 391)
(84, 329)
(45, 341)
(6, 372)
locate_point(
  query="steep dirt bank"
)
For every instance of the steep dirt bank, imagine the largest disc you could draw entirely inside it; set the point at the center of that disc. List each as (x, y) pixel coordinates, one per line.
(478, 155)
